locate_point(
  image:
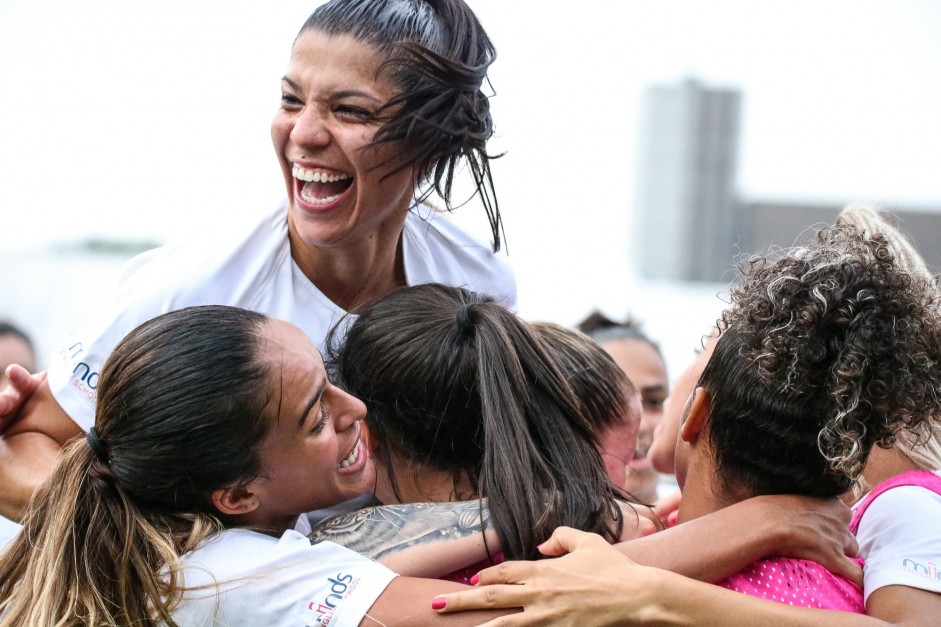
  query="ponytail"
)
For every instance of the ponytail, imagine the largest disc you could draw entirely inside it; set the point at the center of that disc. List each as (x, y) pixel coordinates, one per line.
(540, 468)
(88, 556)
(455, 383)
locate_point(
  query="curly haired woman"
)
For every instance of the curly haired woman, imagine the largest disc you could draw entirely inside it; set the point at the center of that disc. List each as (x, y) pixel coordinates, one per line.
(825, 352)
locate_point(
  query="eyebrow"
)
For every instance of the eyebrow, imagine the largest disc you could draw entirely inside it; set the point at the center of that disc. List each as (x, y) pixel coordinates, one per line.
(310, 403)
(650, 389)
(337, 95)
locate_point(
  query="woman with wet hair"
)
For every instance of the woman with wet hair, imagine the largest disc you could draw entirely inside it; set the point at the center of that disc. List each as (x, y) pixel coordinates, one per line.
(642, 361)
(826, 352)
(608, 400)
(382, 103)
(215, 428)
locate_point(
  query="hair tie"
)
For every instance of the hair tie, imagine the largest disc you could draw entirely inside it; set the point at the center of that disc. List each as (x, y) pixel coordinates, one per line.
(97, 445)
(464, 321)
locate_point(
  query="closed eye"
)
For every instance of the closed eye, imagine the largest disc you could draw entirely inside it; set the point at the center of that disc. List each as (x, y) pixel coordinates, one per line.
(318, 427)
(290, 101)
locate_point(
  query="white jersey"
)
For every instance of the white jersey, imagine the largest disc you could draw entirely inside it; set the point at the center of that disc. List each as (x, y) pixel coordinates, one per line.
(252, 268)
(899, 539)
(240, 577)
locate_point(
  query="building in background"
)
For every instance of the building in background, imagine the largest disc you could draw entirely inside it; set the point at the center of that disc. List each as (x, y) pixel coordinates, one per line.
(689, 136)
(691, 222)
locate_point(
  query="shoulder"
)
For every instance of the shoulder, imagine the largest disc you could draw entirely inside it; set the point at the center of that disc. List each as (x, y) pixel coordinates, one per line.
(249, 578)
(245, 264)
(438, 250)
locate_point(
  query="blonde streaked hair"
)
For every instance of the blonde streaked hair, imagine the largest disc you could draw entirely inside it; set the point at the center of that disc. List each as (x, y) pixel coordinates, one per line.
(922, 446)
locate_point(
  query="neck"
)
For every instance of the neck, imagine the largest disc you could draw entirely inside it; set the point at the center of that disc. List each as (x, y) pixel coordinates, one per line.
(703, 492)
(420, 484)
(883, 464)
(354, 275)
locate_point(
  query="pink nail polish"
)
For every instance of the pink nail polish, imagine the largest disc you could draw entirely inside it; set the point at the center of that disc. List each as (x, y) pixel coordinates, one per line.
(474, 580)
(438, 604)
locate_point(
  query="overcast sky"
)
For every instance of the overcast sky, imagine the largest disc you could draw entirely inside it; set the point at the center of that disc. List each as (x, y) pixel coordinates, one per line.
(147, 119)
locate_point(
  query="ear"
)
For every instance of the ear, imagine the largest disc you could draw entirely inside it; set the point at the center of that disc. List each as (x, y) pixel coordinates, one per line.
(697, 415)
(235, 501)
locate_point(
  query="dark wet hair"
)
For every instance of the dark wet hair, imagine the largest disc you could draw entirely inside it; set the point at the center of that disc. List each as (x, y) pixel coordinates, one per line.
(826, 351)
(437, 55)
(178, 415)
(455, 382)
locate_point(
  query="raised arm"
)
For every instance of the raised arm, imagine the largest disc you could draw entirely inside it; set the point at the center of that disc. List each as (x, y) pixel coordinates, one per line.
(713, 547)
(416, 539)
(30, 445)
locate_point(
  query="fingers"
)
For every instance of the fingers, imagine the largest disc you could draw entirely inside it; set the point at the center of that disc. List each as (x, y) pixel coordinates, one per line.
(566, 540)
(13, 396)
(845, 567)
(498, 596)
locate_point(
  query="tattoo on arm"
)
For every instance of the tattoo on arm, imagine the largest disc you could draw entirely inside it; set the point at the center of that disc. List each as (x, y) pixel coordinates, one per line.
(387, 529)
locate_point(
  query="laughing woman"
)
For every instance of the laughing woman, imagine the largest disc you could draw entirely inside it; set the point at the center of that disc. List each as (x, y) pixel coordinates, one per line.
(381, 104)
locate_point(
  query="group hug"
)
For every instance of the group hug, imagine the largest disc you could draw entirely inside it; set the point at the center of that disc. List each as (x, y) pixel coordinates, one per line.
(332, 415)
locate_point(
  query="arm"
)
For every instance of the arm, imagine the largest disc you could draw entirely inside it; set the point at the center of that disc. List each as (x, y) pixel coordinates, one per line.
(713, 547)
(596, 585)
(405, 603)
(901, 605)
(416, 539)
(30, 447)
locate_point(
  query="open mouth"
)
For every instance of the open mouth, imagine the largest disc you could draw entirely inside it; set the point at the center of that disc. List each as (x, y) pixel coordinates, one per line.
(352, 457)
(319, 187)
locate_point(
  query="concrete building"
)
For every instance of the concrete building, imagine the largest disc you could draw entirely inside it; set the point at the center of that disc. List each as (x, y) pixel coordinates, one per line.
(686, 181)
(691, 222)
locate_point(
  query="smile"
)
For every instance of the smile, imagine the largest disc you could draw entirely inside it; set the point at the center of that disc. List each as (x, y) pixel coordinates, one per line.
(352, 457)
(319, 187)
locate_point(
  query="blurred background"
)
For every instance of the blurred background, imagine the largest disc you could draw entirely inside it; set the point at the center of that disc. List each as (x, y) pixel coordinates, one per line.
(646, 144)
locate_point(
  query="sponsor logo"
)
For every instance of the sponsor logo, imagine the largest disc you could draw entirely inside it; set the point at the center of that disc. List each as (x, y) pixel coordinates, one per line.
(928, 572)
(85, 379)
(341, 587)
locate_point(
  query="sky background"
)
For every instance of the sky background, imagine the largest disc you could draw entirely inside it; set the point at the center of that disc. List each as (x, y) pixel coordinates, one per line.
(147, 119)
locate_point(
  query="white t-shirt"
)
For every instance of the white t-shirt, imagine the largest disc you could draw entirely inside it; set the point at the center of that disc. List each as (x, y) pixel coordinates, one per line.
(240, 577)
(900, 538)
(251, 267)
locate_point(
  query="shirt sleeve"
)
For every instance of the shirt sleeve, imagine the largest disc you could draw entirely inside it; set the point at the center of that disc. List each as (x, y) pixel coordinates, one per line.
(898, 537)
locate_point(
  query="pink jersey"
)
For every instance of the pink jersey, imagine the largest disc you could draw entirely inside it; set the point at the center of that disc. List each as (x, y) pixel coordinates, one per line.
(797, 582)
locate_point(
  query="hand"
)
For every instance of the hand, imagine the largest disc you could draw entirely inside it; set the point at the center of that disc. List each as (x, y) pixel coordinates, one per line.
(593, 585)
(15, 394)
(639, 521)
(667, 508)
(818, 530)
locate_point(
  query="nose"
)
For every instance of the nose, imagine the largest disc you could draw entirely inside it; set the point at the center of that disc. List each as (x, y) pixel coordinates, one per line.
(347, 410)
(310, 131)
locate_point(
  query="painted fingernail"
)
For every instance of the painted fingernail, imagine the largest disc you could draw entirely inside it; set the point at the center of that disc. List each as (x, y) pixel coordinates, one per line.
(474, 580)
(438, 603)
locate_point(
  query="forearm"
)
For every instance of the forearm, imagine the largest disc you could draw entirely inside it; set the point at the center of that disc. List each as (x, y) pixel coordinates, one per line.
(709, 548)
(416, 539)
(26, 459)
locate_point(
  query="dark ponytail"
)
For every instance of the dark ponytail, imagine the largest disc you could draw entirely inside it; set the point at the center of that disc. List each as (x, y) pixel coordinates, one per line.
(178, 415)
(457, 383)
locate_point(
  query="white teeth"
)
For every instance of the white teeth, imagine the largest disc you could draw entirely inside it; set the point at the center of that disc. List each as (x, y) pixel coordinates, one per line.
(316, 176)
(354, 454)
(318, 201)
